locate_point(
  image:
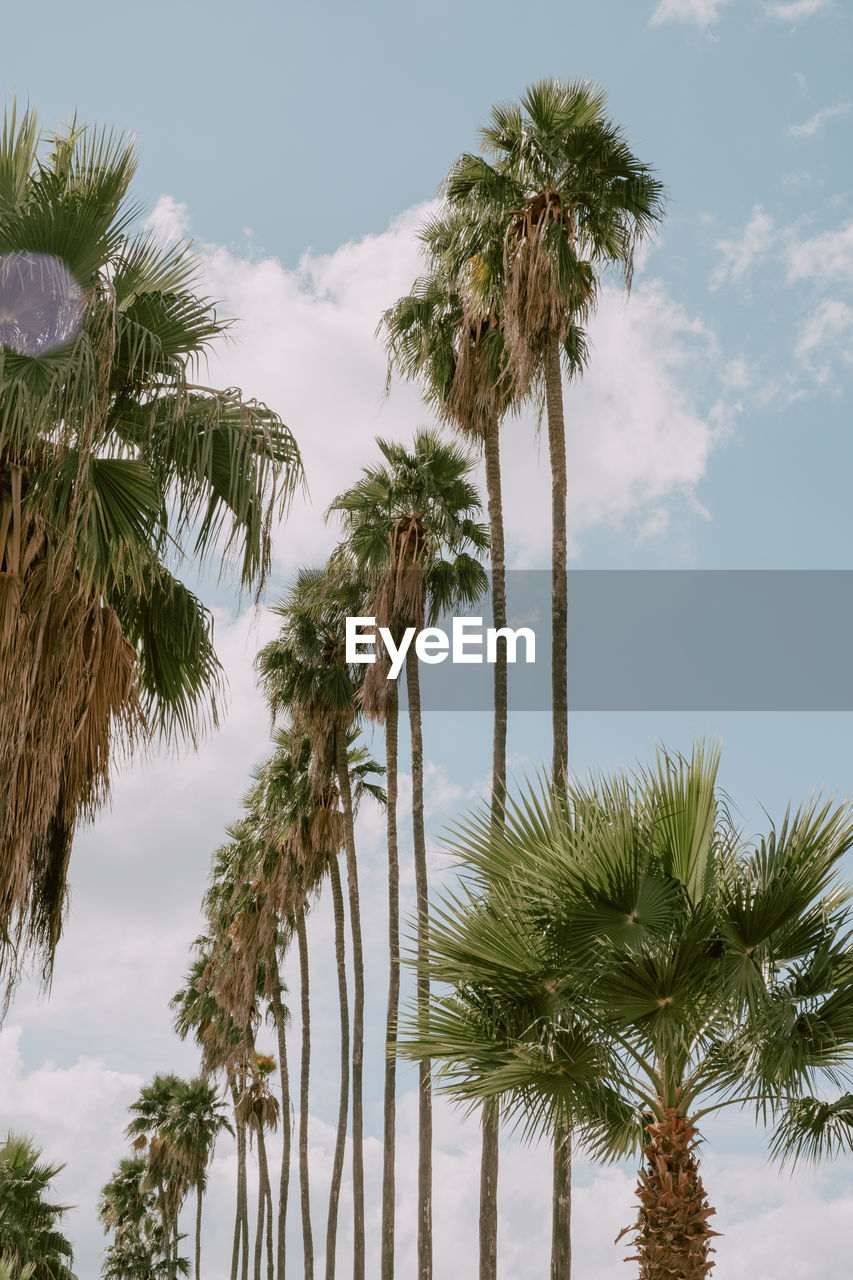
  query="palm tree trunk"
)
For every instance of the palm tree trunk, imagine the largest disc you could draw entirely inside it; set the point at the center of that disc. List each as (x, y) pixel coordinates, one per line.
(672, 1233)
(342, 769)
(561, 1250)
(343, 1104)
(413, 690)
(199, 1194)
(264, 1203)
(390, 1119)
(491, 1110)
(284, 1178)
(304, 1188)
(259, 1230)
(559, 557)
(167, 1233)
(241, 1217)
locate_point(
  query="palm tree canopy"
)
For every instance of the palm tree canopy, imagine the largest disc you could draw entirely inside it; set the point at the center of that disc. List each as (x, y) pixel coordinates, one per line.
(29, 1221)
(196, 1119)
(411, 525)
(561, 178)
(116, 465)
(618, 951)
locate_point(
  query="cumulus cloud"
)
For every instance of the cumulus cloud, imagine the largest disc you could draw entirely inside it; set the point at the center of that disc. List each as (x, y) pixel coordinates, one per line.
(702, 12)
(816, 122)
(739, 254)
(826, 258)
(306, 344)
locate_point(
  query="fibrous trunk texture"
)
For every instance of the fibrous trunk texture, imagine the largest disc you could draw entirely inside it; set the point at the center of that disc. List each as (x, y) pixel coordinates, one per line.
(672, 1237)
(390, 1137)
(358, 1009)
(413, 690)
(343, 1103)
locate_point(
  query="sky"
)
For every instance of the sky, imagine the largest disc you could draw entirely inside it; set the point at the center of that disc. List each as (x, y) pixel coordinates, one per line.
(301, 146)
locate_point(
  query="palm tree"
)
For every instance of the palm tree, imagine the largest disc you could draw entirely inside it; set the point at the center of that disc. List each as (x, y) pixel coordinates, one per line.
(304, 674)
(410, 529)
(149, 1131)
(127, 1207)
(195, 1121)
(221, 1041)
(30, 1235)
(112, 458)
(571, 195)
(448, 335)
(259, 1109)
(621, 962)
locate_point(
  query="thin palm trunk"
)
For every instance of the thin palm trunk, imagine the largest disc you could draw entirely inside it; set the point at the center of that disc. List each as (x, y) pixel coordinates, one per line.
(305, 1068)
(284, 1179)
(343, 1104)
(413, 691)
(491, 1111)
(199, 1193)
(342, 768)
(390, 1118)
(167, 1233)
(259, 1230)
(561, 1250)
(241, 1217)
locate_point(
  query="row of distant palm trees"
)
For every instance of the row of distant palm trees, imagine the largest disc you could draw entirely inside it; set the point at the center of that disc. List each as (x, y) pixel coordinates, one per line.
(511, 277)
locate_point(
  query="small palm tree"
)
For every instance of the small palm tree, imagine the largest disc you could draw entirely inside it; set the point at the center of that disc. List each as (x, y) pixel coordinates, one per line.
(222, 1045)
(259, 1110)
(149, 1131)
(127, 1208)
(411, 532)
(112, 458)
(622, 963)
(195, 1121)
(31, 1242)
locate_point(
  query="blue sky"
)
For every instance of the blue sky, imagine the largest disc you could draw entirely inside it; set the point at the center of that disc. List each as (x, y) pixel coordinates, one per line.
(298, 144)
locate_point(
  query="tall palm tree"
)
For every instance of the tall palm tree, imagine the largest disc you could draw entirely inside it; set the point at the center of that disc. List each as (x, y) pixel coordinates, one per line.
(411, 531)
(260, 1111)
(30, 1223)
(572, 197)
(112, 457)
(195, 1122)
(447, 334)
(304, 675)
(221, 1041)
(148, 1131)
(621, 962)
(297, 815)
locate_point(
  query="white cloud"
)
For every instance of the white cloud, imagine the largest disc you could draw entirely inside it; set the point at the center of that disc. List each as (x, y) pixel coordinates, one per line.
(816, 122)
(791, 12)
(702, 12)
(739, 255)
(826, 258)
(826, 338)
(306, 344)
(169, 220)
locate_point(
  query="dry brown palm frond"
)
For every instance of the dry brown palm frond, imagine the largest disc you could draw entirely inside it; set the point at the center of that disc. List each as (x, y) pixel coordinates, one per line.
(475, 399)
(536, 309)
(69, 696)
